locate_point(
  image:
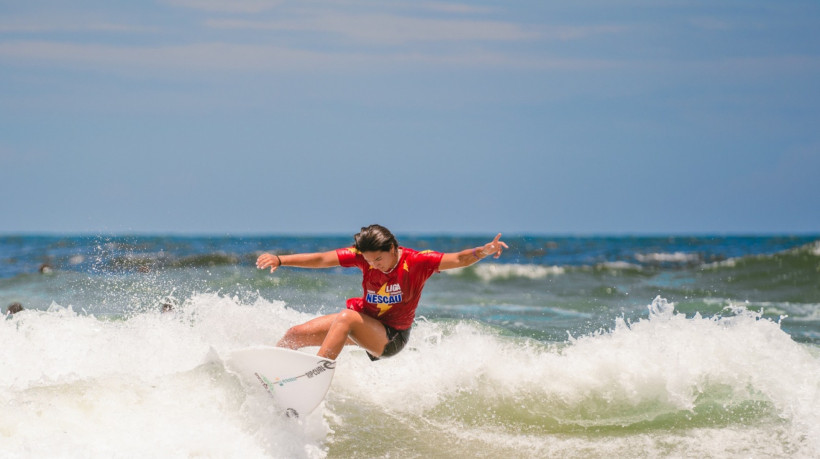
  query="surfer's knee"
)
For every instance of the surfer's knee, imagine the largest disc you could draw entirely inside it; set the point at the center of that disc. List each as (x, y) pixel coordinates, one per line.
(347, 318)
(296, 330)
(293, 337)
(288, 341)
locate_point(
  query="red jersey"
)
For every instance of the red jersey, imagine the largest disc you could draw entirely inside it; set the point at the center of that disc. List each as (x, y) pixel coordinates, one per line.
(392, 297)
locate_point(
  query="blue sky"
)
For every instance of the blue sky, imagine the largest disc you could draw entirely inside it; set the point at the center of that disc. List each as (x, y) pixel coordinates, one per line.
(254, 116)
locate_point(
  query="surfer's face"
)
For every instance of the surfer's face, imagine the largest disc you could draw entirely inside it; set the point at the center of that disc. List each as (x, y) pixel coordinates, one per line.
(383, 261)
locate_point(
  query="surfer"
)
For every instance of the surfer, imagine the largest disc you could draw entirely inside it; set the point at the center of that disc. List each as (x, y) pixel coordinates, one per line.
(393, 277)
(14, 308)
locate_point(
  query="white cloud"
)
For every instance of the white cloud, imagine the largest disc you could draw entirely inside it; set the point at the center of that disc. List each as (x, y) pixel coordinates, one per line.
(60, 26)
(199, 56)
(390, 29)
(566, 33)
(258, 6)
(313, 37)
(461, 8)
(227, 6)
(227, 57)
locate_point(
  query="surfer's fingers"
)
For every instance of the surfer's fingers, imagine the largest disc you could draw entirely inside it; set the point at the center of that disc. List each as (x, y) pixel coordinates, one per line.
(497, 244)
(265, 260)
(500, 246)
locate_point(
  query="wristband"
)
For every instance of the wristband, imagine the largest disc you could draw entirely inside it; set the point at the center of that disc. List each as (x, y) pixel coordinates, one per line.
(279, 260)
(475, 255)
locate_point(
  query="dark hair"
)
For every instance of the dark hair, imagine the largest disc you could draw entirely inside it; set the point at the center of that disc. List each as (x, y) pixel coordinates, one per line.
(14, 308)
(375, 238)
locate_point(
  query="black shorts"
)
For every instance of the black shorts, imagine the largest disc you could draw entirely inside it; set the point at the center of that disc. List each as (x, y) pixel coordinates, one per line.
(396, 339)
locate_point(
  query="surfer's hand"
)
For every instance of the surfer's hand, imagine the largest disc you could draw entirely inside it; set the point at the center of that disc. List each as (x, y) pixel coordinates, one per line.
(267, 260)
(494, 248)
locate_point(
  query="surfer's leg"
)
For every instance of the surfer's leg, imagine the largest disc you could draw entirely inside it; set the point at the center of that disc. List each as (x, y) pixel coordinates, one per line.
(310, 333)
(348, 325)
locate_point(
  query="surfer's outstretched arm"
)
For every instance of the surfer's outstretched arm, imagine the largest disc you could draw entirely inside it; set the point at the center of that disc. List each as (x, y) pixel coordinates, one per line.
(470, 256)
(300, 260)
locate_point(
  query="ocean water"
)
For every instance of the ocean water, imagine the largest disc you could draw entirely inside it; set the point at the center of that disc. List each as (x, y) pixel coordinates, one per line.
(703, 346)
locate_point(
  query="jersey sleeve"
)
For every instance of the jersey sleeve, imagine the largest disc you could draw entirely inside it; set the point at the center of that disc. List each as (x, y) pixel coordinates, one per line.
(429, 261)
(349, 257)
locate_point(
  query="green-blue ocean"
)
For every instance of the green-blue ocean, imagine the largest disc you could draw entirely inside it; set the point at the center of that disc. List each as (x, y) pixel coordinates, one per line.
(593, 346)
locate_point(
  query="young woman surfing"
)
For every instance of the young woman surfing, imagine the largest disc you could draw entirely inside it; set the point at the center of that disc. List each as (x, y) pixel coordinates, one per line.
(393, 277)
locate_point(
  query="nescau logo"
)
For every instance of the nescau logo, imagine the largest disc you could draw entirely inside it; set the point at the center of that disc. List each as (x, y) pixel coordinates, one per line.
(387, 294)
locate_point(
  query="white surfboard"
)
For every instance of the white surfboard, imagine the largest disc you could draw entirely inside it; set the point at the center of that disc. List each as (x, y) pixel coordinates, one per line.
(297, 381)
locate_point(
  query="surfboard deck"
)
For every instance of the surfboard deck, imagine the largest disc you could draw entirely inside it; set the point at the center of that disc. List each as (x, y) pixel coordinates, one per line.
(298, 382)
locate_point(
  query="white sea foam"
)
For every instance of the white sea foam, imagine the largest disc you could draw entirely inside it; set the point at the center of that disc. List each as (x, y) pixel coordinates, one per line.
(812, 248)
(617, 265)
(797, 312)
(728, 263)
(79, 386)
(494, 271)
(676, 257)
(635, 373)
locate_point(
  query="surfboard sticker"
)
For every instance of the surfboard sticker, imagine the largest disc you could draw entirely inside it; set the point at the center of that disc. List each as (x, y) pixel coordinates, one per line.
(298, 382)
